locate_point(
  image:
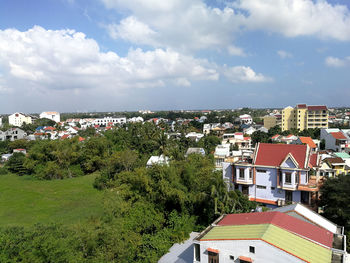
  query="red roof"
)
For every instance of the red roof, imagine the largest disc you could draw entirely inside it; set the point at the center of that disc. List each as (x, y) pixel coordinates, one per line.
(308, 141)
(317, 107)
(275, 136)
(65, 136)
(301, 106)
(81, 139)
(338, 135)
(213, 250)
(49, 128)
(269, 154)
(281, 220)
(246, 259)
(313, 159)
(96, 126)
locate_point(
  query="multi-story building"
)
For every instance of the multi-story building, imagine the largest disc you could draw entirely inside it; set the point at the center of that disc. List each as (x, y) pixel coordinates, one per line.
(109, 121)
(278, 174)
(272, 121)
(51, 115)
(274, 236)
(17, 119)
(304, 117)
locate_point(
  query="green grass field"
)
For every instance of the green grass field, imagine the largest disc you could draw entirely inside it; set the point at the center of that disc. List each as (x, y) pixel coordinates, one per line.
(25, 201)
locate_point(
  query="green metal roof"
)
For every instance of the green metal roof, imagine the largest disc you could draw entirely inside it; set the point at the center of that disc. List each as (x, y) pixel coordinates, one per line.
(276, 236)
(342, 155)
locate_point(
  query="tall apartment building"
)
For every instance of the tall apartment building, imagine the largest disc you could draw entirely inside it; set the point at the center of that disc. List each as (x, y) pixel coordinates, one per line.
(304, 117)
(18, 118)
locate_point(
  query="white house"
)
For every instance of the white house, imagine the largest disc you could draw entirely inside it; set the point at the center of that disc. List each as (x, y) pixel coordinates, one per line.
(18, 118)
(246, 119)
(267, 237)
(157, 160)
(51, 115)
(109, 121)
(195, 136)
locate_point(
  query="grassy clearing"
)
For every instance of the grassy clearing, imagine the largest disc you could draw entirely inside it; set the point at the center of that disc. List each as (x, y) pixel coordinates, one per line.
(25, 201)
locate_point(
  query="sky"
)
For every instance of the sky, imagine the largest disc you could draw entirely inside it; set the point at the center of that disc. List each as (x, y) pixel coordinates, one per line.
(117, 55)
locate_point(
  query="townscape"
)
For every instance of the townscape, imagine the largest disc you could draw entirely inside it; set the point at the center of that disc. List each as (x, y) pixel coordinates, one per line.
(279, 160)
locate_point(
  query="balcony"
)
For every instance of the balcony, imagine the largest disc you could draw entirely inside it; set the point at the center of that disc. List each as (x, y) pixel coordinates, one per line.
(247, 181)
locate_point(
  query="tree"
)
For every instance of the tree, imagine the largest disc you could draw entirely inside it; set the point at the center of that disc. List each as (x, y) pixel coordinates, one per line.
(259, 136)
(15, 164)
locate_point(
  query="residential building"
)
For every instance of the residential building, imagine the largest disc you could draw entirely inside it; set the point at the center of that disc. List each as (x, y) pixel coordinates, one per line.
(336, 139)
(17, 119)
(157, 160)
(272, 120)
(194, 136)
(304, 117)
(267, 237)
(51, 115)
(15, 134)
(221, 152)
(246, 119)
(0, 121)
(337, 164)
(107, 121)
(2, 135)
(306, 140)
(278, 174)
(206, 128)
(238, 139)
(195, 150)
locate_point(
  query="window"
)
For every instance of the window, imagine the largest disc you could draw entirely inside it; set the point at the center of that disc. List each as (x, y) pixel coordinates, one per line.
(273, 188)
(250, 174)
(241, 173)
(252, 249)
(197, 252)
(213, 257)
(288, 178)
(232, 257)
(261, 171)
(261, 187)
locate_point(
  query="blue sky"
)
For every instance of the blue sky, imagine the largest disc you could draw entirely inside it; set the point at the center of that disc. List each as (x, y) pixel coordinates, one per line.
(114, 55)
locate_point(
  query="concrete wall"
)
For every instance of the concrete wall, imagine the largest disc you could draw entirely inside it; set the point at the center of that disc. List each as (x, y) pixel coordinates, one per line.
(264, 252)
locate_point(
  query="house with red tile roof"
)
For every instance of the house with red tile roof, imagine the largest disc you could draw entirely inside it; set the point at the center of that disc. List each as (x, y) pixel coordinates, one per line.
(268, 237)
(336, 139)
(306, 140)
(278, 174)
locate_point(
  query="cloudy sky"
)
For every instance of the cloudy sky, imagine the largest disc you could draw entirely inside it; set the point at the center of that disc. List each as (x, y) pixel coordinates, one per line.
(114, 55)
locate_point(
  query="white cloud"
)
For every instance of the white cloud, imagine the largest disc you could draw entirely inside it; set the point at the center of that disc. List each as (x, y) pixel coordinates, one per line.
(236, 51)
(284, 54)
(65, 59)
(294, 18)
(178, 24)
(337, 62)
(192, 25)
(244, 74)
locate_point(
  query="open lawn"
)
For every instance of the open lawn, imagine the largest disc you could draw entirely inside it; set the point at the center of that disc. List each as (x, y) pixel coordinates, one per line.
(25, 201)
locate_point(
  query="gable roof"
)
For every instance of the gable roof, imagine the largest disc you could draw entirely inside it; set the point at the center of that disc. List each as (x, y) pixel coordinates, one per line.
(301, 106)
(317, 107)
(338, 135)
(280, 238)
(308, 141)
(281, 220)
(334, 160)
(273, 154)
(302, 212)
(313, 160)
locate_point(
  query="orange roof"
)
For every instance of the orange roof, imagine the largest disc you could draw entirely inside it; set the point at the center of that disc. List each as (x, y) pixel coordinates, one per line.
(308, 141)
(338, 135)
(245, 259)
(65, 136)
(213, 250)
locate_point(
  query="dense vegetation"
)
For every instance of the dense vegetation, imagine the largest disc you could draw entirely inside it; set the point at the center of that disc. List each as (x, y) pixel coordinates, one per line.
(145, 210)
(335, 200)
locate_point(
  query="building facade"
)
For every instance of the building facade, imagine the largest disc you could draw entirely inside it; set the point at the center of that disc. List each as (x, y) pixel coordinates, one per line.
(267, 237)
(304, 117)
(51, 115)
(17, 119)
(278, 174)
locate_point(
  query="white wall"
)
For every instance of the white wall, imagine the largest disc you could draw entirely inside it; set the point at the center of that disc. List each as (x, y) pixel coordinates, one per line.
(264, 252)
